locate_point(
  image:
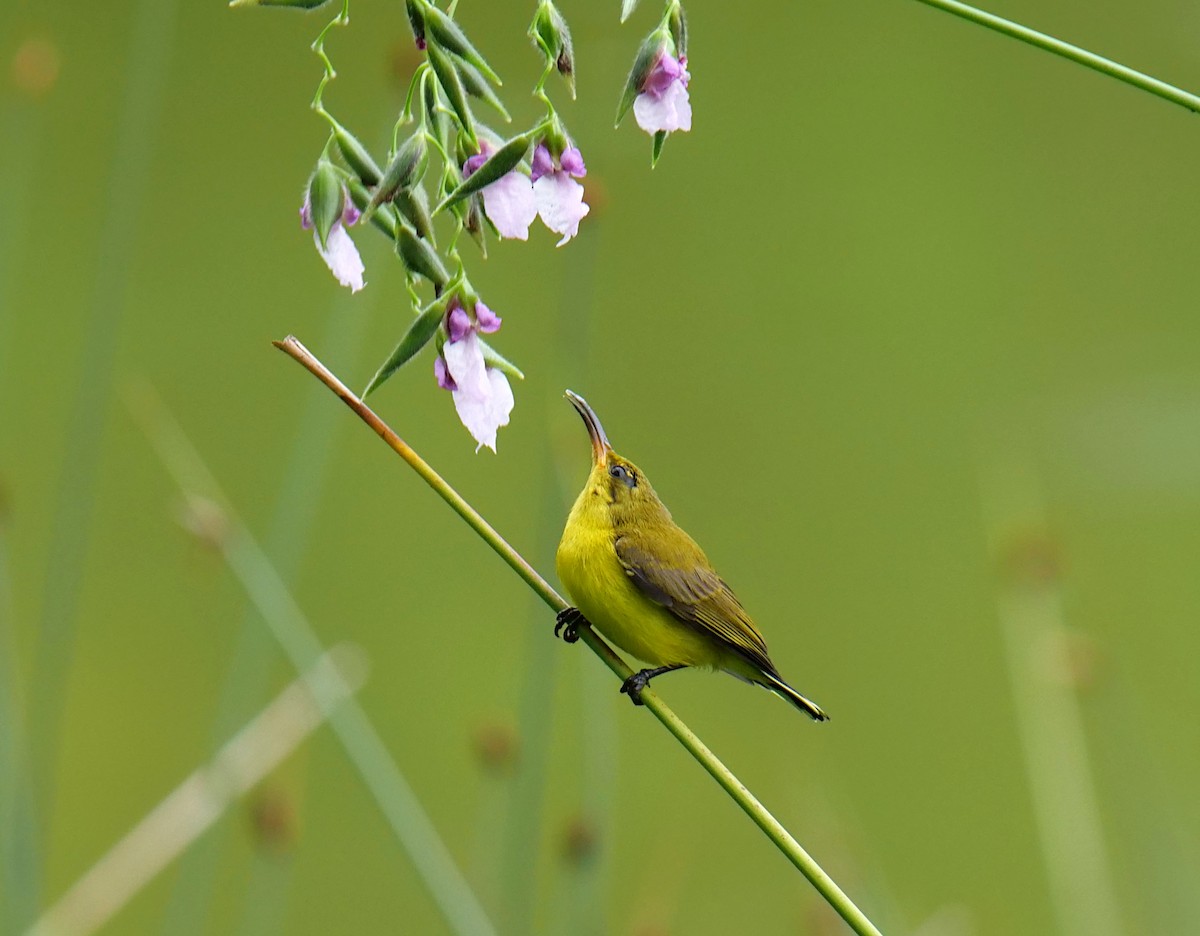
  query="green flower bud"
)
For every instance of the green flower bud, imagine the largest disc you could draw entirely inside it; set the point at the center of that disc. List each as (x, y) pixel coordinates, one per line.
(413, 205)
(416, 20)
(356, 156)
(447, 34)
(550, 31)
(419, 258)
(627, 8)
(326, 199)
(447, 76)
(404, 171)
(476, 86)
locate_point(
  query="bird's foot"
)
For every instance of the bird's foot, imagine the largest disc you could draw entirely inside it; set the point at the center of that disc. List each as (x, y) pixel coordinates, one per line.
(566, 624)
(634, 685)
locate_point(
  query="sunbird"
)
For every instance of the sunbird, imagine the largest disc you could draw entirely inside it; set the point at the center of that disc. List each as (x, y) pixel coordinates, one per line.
(648, 587)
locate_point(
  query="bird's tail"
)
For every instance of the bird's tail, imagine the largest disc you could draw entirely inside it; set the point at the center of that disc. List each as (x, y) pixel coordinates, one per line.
(784, 691)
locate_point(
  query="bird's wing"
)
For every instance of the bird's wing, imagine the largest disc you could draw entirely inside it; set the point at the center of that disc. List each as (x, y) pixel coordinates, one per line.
(686, 585)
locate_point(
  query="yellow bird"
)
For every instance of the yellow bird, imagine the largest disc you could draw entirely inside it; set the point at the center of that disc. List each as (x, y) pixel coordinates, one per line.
(646, 585)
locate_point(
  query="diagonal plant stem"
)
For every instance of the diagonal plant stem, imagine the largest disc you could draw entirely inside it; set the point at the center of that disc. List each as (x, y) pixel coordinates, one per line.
(737, 791)
(350, 724)
(192, 807)
(1071, 52)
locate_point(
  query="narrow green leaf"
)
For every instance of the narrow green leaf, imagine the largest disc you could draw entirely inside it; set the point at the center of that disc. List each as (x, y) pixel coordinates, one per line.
(660, 137)
(419, 257)
(677, 21)
(447, 76)
(499, 164)
(423, 328)
(493, 358)
(447, 34)
(627, 8)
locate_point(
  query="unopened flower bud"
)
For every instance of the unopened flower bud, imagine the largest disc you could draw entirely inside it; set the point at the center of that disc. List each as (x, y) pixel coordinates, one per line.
(360, 161)
(551, 32)
(417, 21)
(447, 34)
(419, 258)
(326, 199)
(404, 171)
(677, 23)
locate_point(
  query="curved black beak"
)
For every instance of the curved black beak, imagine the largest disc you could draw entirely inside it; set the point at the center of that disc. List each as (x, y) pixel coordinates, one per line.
(600, 446)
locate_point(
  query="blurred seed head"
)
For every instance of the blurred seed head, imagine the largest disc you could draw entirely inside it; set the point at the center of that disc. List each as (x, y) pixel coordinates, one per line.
(274, 821)
(581, 841)
(35, 66)
(205, 520)
(496, 747)
(1033, 560)
(1074, 659)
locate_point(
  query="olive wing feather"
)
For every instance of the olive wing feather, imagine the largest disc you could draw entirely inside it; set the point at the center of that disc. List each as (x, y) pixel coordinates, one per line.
(685, 584)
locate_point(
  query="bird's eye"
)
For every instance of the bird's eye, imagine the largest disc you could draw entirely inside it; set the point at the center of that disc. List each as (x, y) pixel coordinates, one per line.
(623, 474)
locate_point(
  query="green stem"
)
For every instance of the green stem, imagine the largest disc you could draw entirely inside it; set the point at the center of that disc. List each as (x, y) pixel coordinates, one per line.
(723, 775)
(1066, 50)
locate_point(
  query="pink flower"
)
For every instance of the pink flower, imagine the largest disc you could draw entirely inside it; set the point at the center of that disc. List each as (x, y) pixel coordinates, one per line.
(559, 197)
(508, 201)
(339, 252)
(481, 394)
(662, 103)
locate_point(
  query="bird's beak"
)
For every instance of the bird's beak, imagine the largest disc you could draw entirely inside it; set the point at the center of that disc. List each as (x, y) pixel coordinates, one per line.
(600, 446)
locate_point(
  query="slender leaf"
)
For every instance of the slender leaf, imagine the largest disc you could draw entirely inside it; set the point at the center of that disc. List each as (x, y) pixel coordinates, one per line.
(423, 328)
(499, 164)
(627, 8)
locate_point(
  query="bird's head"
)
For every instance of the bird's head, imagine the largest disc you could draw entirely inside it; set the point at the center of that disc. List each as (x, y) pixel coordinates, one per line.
(616, 481)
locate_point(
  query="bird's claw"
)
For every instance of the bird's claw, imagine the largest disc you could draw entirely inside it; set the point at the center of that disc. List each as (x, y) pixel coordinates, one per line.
(566, 624)
(634, 685)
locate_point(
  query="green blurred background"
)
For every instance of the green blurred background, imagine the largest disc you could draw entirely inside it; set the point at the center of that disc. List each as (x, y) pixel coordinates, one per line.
(911, 298)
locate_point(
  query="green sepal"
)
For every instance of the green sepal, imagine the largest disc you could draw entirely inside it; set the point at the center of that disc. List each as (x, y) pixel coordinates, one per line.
(423, 328)
(413, 205)
(493, 358)
(447, 34)
(447, 76)
(647, 55)
(677, 23)
(476, 86)
(435, 118)
(405, 170)
(498, 165)
(419, 257)
(361, 163)
(660, 137)
(627, 8)
(294, 4)
(326, 199)
(383, 218)
(416, 19)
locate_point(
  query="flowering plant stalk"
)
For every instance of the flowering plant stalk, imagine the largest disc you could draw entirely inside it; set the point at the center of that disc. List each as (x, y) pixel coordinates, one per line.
(453, 173)
(734, 787)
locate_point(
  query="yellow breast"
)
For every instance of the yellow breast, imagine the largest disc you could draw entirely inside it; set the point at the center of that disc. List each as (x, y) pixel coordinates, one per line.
(588, 567)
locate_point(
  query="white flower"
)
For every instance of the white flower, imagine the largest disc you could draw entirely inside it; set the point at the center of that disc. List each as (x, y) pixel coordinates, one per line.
(663, 103)
(481, 394)
(339, 252)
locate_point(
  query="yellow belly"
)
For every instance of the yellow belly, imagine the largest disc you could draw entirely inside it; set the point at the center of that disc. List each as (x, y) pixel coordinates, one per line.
(596, 582)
